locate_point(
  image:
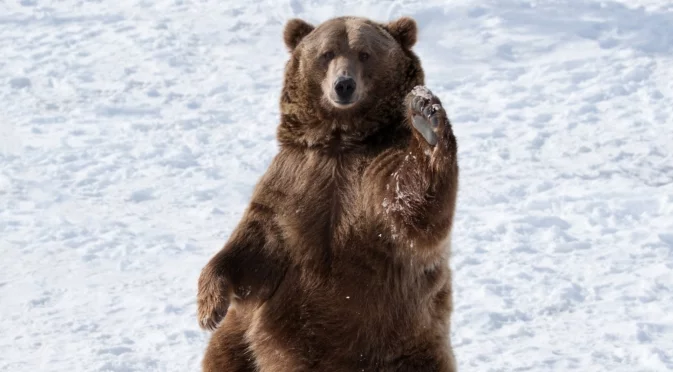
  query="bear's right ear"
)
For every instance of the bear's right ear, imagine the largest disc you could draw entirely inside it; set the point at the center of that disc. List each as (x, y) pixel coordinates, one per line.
(295, 31)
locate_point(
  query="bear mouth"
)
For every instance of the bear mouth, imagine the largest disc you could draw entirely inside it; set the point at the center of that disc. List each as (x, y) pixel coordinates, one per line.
(341, 103)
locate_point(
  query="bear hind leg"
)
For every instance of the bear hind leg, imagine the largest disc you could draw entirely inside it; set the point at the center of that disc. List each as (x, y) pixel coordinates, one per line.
(426, 361)
(228, 350)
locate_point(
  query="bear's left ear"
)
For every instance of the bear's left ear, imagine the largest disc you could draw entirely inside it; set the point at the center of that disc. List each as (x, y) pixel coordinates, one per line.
(404, 30)
(295, 30)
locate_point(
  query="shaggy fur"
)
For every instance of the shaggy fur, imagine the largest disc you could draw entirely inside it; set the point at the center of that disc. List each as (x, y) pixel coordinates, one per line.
(340, 262)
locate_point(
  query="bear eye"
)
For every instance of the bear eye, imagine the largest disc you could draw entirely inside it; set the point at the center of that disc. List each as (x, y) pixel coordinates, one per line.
(364, 56)
(327, 56)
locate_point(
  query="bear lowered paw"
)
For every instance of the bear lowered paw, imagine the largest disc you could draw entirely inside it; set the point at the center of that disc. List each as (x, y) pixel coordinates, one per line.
(427, 114)
(212, 301)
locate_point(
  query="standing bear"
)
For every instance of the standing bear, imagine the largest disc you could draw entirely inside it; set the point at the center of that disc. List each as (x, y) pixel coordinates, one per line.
(340, 262)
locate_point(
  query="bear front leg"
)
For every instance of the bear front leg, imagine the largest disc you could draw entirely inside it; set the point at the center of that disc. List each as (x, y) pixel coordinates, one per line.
(415, 188)
(248, 268)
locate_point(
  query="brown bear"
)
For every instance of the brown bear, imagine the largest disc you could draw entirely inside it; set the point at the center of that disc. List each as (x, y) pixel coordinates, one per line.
(340, 262)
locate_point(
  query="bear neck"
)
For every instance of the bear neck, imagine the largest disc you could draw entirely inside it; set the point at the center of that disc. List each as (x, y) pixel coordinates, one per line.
(316, 129)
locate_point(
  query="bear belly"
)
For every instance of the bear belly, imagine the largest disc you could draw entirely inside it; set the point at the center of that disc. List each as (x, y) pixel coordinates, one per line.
(337, 323)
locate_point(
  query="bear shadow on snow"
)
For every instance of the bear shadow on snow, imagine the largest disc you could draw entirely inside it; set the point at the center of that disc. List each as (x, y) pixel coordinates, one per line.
(340, 261)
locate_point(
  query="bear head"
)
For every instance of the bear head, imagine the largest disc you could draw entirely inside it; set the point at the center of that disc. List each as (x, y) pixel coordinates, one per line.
(346, 79)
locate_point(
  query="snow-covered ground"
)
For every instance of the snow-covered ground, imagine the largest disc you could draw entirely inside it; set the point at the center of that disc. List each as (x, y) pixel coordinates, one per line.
(133, 131)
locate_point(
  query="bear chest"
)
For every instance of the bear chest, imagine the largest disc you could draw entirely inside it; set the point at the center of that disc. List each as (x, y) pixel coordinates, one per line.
(328, 200)
(322, 199)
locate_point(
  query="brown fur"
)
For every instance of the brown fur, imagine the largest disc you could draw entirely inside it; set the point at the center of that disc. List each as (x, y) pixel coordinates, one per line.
(340, 262)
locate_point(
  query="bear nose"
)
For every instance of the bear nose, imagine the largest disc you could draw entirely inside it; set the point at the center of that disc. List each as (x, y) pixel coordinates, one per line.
(344, 87)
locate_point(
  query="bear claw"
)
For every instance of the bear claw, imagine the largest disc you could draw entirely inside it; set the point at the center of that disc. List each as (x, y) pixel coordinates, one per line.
(424, 107)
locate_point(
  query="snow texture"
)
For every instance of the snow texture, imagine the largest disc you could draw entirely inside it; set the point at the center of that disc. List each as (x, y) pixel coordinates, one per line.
(133, 131)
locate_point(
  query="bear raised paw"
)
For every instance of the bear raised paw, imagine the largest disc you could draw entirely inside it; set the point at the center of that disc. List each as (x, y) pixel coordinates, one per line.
(340, 261)
(427, 114)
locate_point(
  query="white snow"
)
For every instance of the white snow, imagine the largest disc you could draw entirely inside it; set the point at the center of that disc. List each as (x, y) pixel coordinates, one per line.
(133, 131)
